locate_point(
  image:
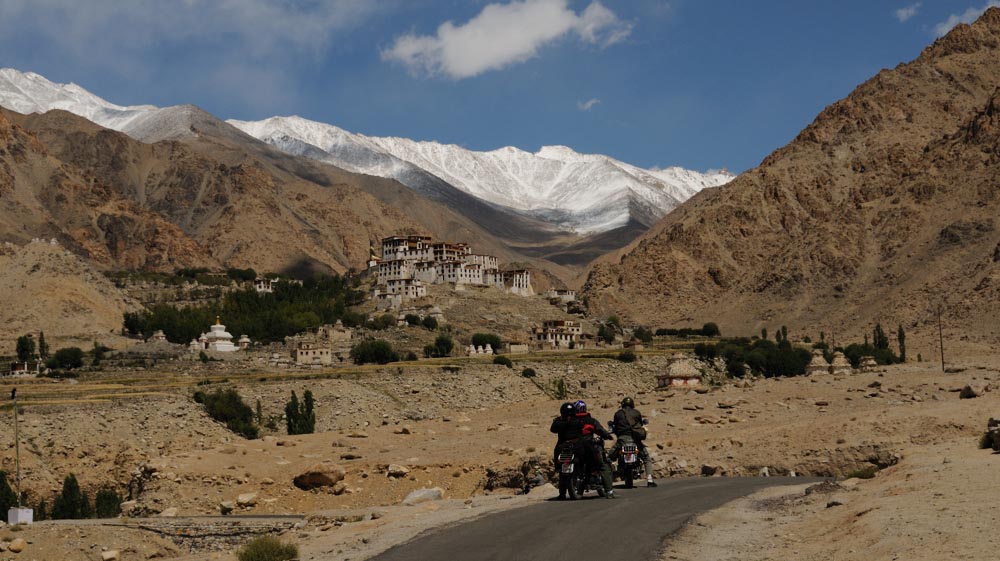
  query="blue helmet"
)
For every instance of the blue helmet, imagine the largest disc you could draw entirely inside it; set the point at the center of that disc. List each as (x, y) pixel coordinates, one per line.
(581, 406)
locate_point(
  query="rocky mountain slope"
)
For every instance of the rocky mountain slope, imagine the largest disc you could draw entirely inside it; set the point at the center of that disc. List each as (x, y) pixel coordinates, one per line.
(883, 208)
(580, 192)
(59, 294)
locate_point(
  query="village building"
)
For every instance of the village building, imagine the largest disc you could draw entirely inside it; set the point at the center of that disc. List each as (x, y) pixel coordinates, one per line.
(310, 352)
(558, 333)
(564, 295)
(217, 339)
(158, 336)
(409, 262)
(28, 368)
(263, 286)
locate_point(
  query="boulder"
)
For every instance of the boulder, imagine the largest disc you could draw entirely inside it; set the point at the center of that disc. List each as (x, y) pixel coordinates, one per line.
(339, 488)
(110, 555)
(169, 512)
(423, 496)
(973, 390)
(396, 470)
(17, 546)
(246, 500)
(226, 507)
(320, 475)
(544, 490)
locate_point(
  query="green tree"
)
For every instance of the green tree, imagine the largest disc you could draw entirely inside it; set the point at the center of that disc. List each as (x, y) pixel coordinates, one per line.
(879, 339)
(442, 347)
(259, 413)
(763, 333)
(69, 504)
(41, 511)
(412, 320)
(901, 339)
(430, 323)
(626, 356)
(710, 330)
(107, 503)
(67, 358)
(483, 339)
(373, 351)
(25, 348)
(97, 353)
(43, 347)
(643, 334)
(300, 417)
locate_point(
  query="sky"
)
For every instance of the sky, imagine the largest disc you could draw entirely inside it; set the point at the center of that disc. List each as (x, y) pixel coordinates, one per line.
(702, 84)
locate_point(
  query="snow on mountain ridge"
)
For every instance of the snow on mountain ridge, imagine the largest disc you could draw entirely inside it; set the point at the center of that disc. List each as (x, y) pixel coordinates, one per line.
(588, 193)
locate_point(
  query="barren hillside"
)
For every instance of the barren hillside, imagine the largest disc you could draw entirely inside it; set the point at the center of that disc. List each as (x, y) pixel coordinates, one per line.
(882, 208)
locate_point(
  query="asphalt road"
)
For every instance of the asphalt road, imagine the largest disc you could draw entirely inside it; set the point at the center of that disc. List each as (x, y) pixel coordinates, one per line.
(634, 526)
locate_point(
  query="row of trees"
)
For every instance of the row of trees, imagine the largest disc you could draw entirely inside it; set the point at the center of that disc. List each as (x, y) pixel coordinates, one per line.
(267, 317)
(762, 356)
(71, 503)
(66, 358)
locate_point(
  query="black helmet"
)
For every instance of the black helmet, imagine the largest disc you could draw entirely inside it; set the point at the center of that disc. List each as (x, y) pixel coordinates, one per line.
(627, 402)
(567, 409)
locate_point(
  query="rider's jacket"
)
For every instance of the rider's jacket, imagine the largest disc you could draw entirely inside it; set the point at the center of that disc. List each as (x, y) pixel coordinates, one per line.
(568, 428)
(592, 425)
(627, 422)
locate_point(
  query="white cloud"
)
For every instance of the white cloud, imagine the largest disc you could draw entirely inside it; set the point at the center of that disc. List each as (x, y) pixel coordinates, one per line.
(905, 14)
(587, 105)
(228, 46)
(502, 35)
(968, 16)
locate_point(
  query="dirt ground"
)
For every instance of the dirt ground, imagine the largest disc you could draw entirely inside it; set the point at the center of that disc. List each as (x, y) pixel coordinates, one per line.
(477, 428)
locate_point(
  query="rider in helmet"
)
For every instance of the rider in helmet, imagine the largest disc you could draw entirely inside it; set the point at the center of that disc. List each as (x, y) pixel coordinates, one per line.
(569, 431)
(593, 451)
(628, 422)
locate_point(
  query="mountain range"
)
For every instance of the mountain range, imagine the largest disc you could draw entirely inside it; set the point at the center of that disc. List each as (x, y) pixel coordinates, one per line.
(557, 190)
(884, 209)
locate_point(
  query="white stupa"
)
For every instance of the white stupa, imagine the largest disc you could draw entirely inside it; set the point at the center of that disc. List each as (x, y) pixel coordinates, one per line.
(217, 339)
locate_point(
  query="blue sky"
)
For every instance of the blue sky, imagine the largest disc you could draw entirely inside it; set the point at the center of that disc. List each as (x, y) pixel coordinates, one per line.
(697, 83)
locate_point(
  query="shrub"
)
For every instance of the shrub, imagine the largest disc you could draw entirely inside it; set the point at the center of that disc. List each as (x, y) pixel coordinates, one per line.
(483, 339)
(68, 358)
(412, 320)
(710, 329)
(107, 503)
(442, 346)
(300, 417)
(430, 323)
(226, 406)
(384, 321)
(643, 334)
(500, 359)
(760, 355)
(626, 356)
(866, 472)
(529, 373)
(373, 351)
(267, 548)
(411, 356)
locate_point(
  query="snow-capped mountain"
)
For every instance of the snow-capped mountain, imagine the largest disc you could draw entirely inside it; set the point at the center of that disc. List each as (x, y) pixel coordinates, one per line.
(583, 192)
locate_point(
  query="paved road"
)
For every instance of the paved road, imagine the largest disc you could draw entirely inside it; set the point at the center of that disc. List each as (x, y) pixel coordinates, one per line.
(632, 527)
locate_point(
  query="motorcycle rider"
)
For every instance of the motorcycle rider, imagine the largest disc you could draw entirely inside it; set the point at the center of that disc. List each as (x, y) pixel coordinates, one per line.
(628, 422)
(593, 451)
(569, 430)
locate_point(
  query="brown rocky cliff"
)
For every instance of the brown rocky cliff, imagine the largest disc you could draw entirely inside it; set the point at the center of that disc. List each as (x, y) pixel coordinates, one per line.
(842, 226)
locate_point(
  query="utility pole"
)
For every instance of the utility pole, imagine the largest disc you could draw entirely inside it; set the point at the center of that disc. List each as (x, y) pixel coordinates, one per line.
(17, 447)
(940, 336)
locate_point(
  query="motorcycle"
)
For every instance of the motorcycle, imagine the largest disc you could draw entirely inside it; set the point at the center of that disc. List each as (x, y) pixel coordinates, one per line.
(628, 468)
(575, 475)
